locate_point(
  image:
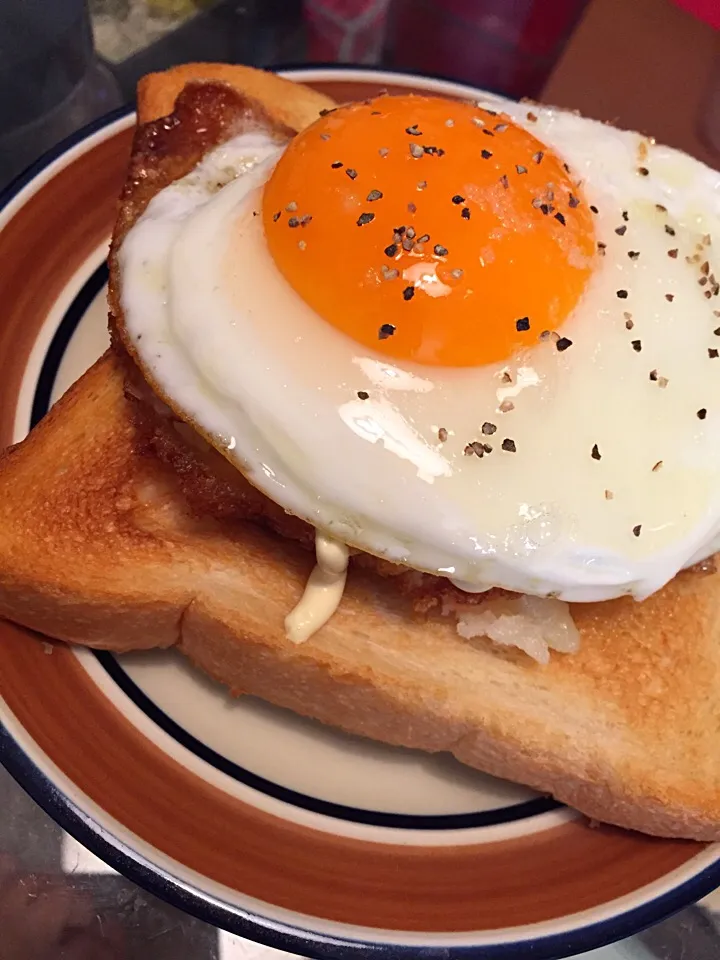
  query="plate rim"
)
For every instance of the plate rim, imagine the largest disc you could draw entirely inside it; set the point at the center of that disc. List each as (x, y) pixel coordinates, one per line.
(155, 878)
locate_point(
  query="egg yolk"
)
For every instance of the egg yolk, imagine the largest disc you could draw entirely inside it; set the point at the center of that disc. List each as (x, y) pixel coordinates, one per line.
(429, 230)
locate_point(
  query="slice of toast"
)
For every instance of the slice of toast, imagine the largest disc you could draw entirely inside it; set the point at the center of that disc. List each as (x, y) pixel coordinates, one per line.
(97, 546)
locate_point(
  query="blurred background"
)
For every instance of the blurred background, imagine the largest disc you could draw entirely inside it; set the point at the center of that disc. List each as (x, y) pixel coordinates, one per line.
(65, 62)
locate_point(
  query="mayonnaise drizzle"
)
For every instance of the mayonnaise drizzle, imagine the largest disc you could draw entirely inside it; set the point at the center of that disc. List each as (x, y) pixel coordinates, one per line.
(323, 591)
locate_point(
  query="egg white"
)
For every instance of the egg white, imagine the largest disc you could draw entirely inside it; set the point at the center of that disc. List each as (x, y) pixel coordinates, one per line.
(245, 359)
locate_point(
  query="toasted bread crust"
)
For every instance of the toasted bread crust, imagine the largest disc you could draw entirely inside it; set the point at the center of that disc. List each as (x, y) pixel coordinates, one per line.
(158, 92)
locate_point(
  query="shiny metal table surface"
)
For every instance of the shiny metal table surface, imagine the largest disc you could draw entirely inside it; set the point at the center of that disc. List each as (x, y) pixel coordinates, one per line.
(56, 899)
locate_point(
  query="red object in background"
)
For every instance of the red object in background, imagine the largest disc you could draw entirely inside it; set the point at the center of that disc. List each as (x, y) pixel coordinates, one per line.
(509, 46)
(345, 31)
(707, 10)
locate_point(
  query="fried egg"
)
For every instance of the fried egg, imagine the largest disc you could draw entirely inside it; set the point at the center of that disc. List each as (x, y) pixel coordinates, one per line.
(479, 339)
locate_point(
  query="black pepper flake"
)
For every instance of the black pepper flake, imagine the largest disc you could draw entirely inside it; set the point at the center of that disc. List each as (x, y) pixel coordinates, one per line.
(390, 250)
(562, 344)
(522, 324)
(336, 165)
(560, 218)
(485, 154)
(531, 117)
(509, 446)
(601, 248)
(633, 254)
(439, 250)
(668, 229)
(621, 231)
(504, 181)
(437, 151)
(653, 375)
(537, 157)
(595, 453)
(629, 324)
(636, 345)
(544, 208)
(520, 168)
(488, 428)
(475, 448)
(702, 413)
(660, 208)
(385, 331)
(276, 216)
(293, 222)
(712, 353)
(408, 293)
(622, 294)
(413, 131)
(573, 201)
(593, 208)
(457, 199)
(363, 395)
(669, 297)
(643, 171)
(716, 331)
(442, 434)
(657, 466)
(625, 216)
(351, 173)
(465, 213)
(673, 253)
(488, 133)
(374, 195)
(365, 218)
(636, 530)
